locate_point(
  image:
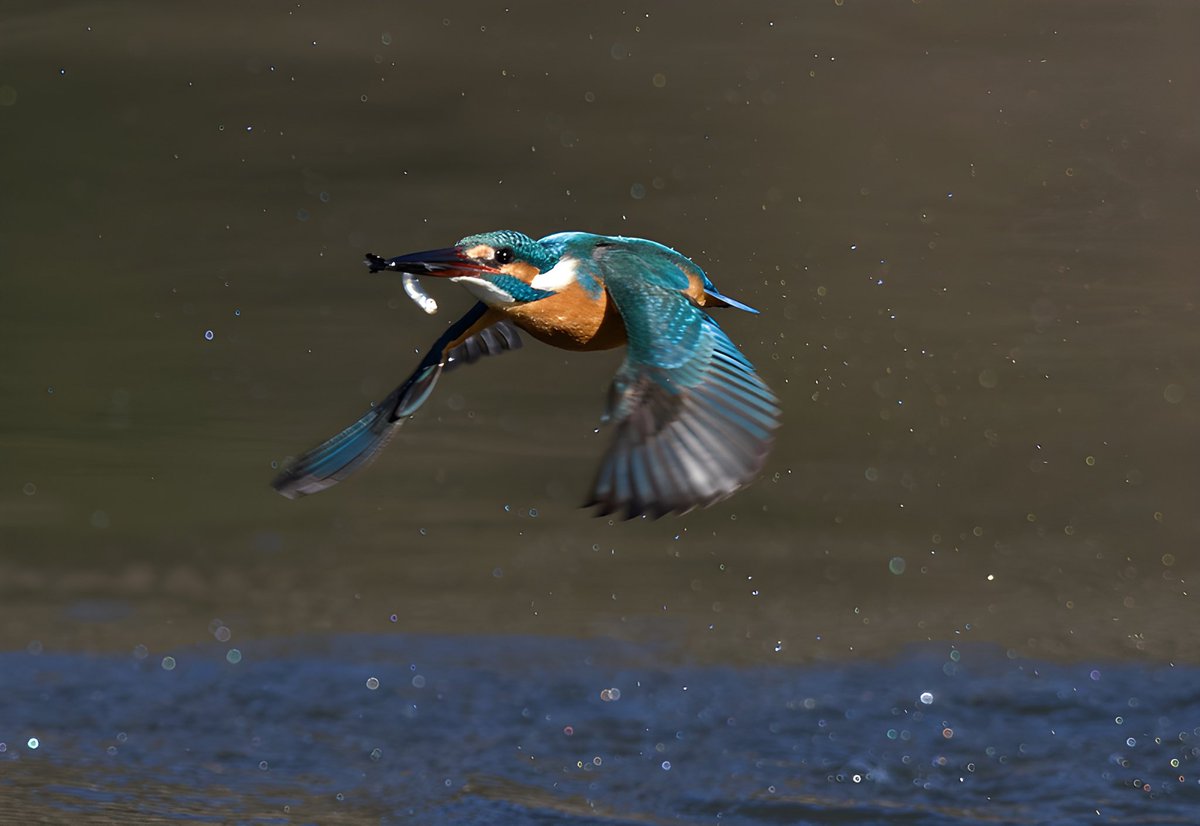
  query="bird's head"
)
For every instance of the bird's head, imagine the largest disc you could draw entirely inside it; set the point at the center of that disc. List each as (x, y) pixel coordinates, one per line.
(500, 268)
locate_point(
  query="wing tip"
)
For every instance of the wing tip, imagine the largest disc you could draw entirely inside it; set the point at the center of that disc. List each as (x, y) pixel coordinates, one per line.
(285, 482)
(689, 472)
(294, 484)
(286, 492)
(652, 510)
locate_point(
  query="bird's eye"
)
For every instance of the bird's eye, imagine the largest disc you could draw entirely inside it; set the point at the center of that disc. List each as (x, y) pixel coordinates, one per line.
(504, 255)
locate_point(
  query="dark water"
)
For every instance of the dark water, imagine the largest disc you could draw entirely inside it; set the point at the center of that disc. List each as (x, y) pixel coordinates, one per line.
(971, 229)
(529, 730)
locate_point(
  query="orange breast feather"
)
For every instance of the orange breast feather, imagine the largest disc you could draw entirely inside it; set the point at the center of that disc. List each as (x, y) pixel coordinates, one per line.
(571, 320)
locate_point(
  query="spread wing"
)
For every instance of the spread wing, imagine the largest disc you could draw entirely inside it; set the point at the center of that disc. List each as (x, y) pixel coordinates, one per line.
(694, 422)
(475, 335)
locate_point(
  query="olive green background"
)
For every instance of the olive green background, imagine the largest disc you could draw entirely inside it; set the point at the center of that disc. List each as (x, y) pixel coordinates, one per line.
(971, 229)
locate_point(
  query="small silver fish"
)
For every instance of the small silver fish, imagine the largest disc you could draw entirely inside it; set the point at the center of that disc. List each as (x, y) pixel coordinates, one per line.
(412, 286)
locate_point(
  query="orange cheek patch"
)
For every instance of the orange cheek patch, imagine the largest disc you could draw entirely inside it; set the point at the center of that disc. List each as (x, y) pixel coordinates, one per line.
(482, 252)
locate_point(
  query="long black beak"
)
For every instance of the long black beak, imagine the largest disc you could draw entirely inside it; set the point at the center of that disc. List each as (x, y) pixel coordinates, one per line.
(447, 263)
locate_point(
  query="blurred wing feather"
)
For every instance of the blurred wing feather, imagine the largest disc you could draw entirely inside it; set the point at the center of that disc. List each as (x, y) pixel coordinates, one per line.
(336, 458)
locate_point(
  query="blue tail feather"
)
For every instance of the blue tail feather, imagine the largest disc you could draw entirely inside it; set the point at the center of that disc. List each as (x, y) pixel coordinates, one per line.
(732, 302)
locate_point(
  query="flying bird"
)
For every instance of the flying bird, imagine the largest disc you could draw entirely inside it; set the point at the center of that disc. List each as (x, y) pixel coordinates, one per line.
(693, 421)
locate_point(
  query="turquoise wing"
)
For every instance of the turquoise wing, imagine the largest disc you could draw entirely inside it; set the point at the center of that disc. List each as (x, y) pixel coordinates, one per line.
(693, 421)
(336, 458)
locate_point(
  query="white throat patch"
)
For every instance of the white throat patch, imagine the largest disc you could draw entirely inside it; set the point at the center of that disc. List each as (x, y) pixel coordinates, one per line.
(558, 277)
(485, 291)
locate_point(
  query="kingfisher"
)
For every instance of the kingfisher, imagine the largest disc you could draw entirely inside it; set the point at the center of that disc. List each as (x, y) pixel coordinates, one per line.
(693, 422)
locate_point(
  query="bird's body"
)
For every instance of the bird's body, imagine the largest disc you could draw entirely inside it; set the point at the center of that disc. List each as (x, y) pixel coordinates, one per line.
(694, 421)
(571, 320)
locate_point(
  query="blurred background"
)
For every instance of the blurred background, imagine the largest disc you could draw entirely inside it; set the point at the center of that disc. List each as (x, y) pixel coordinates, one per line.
(970, 228)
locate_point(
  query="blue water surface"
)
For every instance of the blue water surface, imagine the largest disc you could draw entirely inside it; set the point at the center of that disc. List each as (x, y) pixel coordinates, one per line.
(534, 730)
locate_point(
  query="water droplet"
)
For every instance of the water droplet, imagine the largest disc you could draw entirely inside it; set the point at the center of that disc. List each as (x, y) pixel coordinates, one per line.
(372, 683)
(233, 656)
(927, 698)
(208, 335)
